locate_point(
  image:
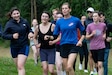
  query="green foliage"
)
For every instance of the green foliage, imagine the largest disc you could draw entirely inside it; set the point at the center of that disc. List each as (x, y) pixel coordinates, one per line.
(79, 7)
(6, 5)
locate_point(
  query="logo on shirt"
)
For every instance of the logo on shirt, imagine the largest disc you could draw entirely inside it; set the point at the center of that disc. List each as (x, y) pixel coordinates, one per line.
(98, 32)
(71, 24)
(24, 25)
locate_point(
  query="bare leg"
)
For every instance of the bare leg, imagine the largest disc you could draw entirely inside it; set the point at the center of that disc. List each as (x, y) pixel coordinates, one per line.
(51, 69)
(100, 68)
(35, 53)
(45, 68)
(58, 63)
(91, 61)
(21, 63)
(65, 65)
(71, 59)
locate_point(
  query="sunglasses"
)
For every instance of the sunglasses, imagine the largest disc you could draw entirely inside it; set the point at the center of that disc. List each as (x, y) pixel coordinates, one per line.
(89, 12)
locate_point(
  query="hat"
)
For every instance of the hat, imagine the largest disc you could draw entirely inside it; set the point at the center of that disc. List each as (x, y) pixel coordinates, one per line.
(90, 9)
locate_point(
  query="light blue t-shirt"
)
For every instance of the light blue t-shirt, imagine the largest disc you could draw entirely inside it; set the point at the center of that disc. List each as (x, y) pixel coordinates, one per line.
(31, 41)
(68, 28)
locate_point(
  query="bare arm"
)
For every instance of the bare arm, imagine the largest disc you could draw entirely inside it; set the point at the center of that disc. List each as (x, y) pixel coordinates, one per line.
(52, 38)
(80, 41)
(35, 35)
(89, 36)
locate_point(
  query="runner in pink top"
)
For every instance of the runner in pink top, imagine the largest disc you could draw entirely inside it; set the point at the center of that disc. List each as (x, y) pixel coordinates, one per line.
(96, 33)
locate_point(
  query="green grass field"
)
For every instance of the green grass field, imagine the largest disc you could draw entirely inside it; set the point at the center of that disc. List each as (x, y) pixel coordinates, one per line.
(7, 66)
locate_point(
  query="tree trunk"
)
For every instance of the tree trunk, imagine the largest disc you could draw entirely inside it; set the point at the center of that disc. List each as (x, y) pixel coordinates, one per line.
(35, 10)
(32, 11)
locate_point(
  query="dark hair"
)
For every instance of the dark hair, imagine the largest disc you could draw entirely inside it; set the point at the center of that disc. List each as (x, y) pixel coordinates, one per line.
(97, 12)
(101, 13)
(14, 8)
(59, 12)
(11, 11)
(46, 13)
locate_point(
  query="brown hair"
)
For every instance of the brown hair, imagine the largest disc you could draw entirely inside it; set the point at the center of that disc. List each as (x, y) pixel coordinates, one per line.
(66, 3)
(11, 11)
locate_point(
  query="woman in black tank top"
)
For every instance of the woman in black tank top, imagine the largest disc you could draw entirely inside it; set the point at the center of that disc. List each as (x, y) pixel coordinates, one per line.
(44, 32)
(45, 43)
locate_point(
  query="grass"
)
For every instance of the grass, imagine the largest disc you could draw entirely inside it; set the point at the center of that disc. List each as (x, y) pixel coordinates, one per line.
(7, 66)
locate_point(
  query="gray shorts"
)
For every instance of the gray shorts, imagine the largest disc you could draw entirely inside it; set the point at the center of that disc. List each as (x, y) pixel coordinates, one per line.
(48, 55)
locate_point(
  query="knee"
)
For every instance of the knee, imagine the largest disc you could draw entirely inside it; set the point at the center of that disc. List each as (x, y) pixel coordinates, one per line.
(59, 67)
(20, 67)
(69, 68)
(45, 69)
(51, 71)
(35, 52)
(100, 66)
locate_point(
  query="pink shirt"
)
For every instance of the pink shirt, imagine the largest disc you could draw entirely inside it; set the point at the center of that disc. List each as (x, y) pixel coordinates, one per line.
(97, 41)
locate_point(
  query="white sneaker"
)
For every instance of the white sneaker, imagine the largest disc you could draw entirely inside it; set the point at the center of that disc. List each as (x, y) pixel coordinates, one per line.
(64, 73)
(80, 66)
(86, 71)
(91, 73)
(95, 70)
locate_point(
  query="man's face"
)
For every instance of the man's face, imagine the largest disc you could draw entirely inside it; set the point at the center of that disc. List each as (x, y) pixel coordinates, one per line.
(90, 14)
(102, 18)
(54, 14)
(96, 17)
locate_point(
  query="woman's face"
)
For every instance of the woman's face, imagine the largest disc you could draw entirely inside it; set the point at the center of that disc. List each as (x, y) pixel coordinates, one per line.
(15, 15)
(34, 22)
(44, 18)
(65, 10)
(83, 18)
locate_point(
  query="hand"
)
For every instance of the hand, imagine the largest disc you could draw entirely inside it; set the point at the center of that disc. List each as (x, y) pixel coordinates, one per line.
(79, 44)
(30, 36)
(38, 45)
(51, 37)
(46, 37)
(94, 32)
(51, 42)
(104, 37)
(108, 39)
(15, 35)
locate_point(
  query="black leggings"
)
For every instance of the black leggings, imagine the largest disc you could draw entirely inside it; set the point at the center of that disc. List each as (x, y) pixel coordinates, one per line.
(84, 52)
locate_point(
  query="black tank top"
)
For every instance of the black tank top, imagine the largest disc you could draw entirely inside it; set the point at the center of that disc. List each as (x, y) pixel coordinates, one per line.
(45, 43)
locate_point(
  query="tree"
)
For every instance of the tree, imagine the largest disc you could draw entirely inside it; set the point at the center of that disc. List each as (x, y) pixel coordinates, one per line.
(33, 9)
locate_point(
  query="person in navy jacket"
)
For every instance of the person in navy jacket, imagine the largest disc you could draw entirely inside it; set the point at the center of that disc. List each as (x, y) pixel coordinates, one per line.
(17, 30)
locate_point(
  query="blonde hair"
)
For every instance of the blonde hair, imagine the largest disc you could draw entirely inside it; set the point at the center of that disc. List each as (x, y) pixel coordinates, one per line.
(56, 9)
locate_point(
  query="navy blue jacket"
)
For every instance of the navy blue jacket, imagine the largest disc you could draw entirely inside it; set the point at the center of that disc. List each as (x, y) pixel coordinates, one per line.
(23, 28)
